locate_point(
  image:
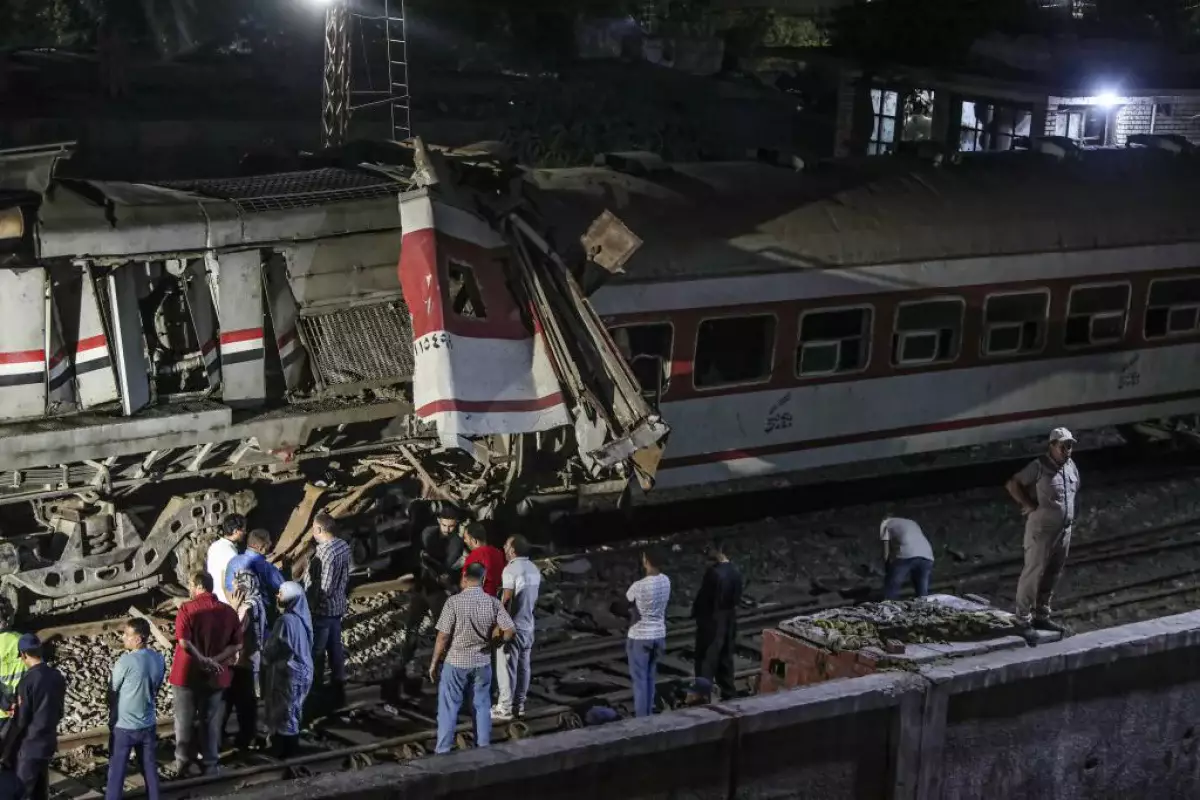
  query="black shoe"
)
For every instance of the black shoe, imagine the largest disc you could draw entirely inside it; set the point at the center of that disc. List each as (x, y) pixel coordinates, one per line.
(1047, 624)
(1027, 633)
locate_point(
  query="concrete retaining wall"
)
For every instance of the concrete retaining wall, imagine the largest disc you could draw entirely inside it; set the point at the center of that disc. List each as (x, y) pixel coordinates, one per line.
(1106, 714)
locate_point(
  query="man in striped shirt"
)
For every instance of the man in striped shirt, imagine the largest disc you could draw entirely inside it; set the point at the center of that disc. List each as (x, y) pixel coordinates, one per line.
(327, 582)
(647, 641)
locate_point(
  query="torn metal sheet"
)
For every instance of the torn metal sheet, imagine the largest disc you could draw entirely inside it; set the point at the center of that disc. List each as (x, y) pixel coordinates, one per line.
(583, 347)
(608, 243)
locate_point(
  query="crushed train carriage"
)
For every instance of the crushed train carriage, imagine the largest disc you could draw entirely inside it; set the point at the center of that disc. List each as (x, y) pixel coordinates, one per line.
(247, 328)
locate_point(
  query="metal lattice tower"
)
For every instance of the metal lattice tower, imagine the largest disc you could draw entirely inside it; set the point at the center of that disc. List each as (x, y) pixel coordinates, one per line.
(366, 68)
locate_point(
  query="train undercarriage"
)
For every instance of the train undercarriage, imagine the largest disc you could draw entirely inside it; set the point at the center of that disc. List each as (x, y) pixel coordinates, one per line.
(177, 353)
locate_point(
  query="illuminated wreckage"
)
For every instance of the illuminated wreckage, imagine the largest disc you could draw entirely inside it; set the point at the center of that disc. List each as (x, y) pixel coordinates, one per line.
(161, 341)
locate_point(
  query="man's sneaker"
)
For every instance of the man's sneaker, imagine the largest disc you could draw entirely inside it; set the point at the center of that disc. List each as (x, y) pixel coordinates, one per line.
(1047, 624)
(501, 714)
(1027, 633)
(521, 711)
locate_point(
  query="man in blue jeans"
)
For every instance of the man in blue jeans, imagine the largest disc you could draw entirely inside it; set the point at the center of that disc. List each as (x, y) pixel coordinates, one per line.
(136, 679)
(647, 637)
(472, 623)
(907, 555)
(328, 582)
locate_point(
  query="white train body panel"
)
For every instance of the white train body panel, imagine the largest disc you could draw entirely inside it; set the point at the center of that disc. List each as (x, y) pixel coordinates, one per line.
(758, 434)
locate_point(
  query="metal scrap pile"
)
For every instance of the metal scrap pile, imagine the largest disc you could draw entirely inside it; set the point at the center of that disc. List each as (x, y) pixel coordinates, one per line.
(907, 622)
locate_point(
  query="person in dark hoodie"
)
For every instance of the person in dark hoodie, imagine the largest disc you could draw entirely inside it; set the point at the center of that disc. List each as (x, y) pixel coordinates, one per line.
(715, 611)
(32, 739)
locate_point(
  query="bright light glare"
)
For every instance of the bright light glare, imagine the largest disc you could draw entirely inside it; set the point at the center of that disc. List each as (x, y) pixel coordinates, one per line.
(1107, 99)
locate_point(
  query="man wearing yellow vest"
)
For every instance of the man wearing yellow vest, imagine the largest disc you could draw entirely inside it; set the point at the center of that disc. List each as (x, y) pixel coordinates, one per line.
(11, 665)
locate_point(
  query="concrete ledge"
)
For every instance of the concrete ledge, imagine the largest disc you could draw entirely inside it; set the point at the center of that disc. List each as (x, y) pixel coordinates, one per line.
(822, 701)
(1102, 714)
(838, 739)
(684, 754)
(1137, 640)
(1108, 714)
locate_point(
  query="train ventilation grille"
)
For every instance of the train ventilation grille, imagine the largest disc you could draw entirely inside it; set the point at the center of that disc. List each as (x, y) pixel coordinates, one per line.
(362, 345)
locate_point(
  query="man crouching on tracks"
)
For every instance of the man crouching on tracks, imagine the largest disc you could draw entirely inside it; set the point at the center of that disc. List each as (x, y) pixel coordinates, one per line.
(1046, 491)
(470, 626)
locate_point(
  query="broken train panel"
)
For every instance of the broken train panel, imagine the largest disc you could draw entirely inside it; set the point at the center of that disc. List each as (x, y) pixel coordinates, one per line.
(505, 341)
(235, 327)
(249, 327)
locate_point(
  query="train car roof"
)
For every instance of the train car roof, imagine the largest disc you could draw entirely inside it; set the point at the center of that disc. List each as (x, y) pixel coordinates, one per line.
(117, 219)
(711, 219)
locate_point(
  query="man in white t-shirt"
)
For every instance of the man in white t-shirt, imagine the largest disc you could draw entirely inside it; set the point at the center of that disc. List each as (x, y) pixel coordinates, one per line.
(222, 551)
(647, 637)
(908, 556)
(519, 585)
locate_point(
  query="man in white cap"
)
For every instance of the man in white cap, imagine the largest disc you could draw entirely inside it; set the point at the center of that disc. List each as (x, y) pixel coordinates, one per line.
(1045, 490)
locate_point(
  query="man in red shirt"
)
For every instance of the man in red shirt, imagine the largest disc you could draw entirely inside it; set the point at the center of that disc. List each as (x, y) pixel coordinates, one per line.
(475, 538)
(208, 636)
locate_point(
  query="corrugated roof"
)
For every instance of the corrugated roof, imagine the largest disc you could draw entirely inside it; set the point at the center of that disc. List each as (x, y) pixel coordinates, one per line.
(292, 189)
(700, 220)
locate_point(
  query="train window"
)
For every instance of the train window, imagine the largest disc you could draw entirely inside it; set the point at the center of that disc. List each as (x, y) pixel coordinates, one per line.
(1173, 308)
(465, 298)
(928, 331)
(733, 350)
(1015, 323)
(1096, 314)
(647, 349)
(833, 340)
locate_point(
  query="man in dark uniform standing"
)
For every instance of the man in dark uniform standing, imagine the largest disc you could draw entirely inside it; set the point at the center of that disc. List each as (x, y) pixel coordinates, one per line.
(715, 611)
(441, 557)
(32, 739)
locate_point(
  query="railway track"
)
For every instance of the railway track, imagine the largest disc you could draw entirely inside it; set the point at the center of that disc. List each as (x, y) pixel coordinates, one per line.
(570, 677)
(1101, 466)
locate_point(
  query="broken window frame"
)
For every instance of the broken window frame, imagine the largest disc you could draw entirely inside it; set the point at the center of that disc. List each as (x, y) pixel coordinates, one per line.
(876, 144)
(866, 336)
(1041, 335)
(900, 337)
(1171, 309)
(1097, 316)
(475, 297)
(666, 363)
(770, 356)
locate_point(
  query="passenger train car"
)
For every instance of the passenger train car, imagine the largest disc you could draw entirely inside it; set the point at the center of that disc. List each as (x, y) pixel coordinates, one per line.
(893, 306)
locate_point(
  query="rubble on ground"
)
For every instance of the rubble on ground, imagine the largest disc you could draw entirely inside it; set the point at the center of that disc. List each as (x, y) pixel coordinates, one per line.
(904, 621)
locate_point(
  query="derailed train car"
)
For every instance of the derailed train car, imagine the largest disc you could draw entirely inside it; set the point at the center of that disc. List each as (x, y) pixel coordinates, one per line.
(180, 335)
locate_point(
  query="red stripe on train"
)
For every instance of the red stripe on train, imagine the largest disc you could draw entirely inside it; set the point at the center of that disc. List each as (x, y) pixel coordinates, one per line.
(490, 406)
(232, 337)
(23, 357)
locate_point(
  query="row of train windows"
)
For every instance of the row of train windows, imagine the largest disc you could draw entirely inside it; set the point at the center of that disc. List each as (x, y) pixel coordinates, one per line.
(832, 341)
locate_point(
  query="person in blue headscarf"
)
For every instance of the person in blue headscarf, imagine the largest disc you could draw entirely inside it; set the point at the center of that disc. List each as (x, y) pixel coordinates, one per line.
(287, 668)
(250, 602)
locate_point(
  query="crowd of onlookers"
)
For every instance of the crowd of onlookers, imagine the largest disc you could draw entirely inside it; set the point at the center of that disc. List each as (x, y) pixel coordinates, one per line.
(247, 634)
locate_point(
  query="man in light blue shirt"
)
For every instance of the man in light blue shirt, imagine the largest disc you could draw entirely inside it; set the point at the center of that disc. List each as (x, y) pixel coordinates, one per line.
(136, 678)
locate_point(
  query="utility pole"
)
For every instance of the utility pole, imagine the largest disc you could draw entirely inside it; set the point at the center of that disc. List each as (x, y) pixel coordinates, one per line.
(382, 79)
(335, 94)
